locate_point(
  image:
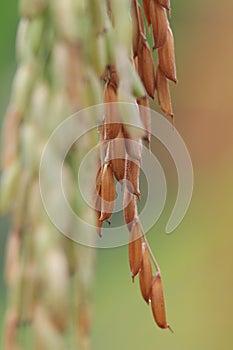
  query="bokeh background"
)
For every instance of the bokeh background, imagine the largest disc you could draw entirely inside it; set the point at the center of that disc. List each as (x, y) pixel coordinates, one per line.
(197, 259)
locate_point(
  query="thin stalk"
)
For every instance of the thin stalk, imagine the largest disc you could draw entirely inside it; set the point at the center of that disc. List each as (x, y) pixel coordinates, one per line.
(151, 253)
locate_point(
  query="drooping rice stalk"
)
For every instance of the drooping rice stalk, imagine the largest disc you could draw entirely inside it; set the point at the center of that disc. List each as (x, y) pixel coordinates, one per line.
(132, 78)
(73, 54)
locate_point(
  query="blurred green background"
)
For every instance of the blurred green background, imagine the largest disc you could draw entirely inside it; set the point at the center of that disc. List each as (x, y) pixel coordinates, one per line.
(197, 259)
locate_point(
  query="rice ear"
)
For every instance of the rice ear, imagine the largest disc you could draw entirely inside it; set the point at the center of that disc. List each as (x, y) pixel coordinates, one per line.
(166, 56)
(163, 92)
(145, 116)
(130, 208)
(158, 303)
(145, 274)
(159, 24)
(135, 249)
(108, 193)
(146, 66)
(111, 112)
(132, 172)
(138, 25)
(117, 154)
(146, 7)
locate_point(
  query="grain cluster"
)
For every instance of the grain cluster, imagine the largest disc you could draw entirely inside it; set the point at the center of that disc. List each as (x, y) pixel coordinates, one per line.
(121, 144)
(74, 54)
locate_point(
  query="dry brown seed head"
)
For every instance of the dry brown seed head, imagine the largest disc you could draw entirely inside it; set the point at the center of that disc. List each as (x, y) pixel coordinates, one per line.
(118, 168)
(146, 66)
(145, 115)
(146, 6)
(116, 154)
(108, 193)
(132, 172)
(157, 302)
(166, 56)
(141, 21)
(145, 274)
(140, 26)
(136, 31)
(135, 248)
(111, 112)
(137, 14)
(163, 92)
(130, 208)
(159, 23)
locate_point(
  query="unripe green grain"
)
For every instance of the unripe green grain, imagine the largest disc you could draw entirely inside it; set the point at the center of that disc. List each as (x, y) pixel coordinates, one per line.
(22, 87)
(8, 184)
(32, 8)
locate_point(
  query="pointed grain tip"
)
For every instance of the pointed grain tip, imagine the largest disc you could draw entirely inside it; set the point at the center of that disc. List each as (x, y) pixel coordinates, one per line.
(170, 329)
(138, 194)
(99, 232)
